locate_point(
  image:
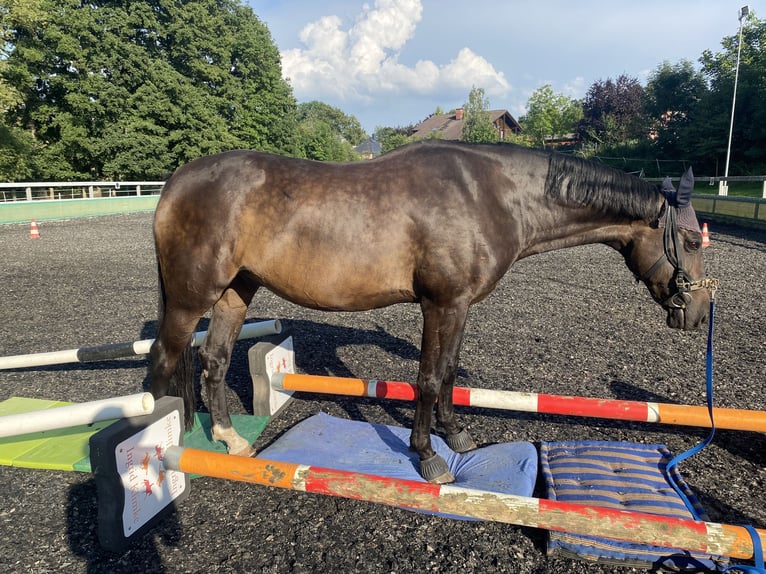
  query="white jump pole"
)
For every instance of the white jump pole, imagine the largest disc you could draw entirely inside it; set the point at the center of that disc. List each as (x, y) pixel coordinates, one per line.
(119, 350)
(78, 414)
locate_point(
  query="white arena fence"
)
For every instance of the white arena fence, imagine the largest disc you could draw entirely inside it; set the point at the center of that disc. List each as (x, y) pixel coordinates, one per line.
(59, 190)
(24, 201)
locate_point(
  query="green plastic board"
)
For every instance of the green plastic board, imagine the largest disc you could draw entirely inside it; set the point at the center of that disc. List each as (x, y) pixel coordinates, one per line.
(67, 449)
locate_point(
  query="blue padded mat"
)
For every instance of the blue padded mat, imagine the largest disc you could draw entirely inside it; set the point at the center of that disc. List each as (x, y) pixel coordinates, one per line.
(625, 476)
(323, 440)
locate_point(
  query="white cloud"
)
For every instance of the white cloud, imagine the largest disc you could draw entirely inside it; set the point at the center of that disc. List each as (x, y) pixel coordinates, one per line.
(361, 62)
(479, 71)
(576, 87)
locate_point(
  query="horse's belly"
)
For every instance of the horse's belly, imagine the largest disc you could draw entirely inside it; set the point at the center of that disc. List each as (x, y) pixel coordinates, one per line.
(341, 297)
(339, 286)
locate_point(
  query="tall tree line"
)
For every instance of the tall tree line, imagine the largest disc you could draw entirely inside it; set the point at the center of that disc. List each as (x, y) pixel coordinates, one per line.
(679, 117)
(682, 114)
(132, 89)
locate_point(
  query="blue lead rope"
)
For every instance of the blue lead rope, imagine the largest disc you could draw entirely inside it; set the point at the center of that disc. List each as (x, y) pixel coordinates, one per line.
(758, 567)
(709, 387)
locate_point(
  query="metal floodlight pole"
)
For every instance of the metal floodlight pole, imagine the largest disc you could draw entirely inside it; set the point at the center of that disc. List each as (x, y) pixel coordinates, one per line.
(723, 188)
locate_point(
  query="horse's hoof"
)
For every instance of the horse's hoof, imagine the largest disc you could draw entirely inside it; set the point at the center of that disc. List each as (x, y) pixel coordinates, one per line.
(248, 451)
(435, 470)
(460, 442)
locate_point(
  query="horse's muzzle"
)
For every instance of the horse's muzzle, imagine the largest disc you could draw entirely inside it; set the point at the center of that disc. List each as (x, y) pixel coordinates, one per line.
(688, 318)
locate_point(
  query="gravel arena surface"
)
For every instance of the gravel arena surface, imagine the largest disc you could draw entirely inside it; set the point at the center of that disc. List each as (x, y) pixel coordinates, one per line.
(569, 322)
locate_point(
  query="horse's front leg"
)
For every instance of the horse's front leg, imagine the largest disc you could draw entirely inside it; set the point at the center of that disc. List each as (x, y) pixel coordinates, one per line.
(215, 356)
(440, 347)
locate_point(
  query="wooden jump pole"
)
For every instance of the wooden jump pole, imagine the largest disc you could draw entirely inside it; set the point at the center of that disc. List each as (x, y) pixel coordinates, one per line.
(705, 537)
(142, 472)
(119, 350)
(685, 415)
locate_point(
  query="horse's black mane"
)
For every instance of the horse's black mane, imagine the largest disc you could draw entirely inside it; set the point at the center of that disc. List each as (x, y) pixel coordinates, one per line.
(575, 181)
(578, 182)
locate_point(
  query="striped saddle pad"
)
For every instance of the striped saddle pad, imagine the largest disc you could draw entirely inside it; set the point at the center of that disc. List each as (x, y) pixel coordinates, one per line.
(625, 476)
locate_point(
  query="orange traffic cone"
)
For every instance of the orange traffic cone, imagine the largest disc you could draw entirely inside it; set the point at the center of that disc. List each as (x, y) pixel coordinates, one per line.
(705, 236)
(34, 233)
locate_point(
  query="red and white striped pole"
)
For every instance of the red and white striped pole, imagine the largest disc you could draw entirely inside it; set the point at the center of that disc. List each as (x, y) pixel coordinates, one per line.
(686, 415)
(705, 537)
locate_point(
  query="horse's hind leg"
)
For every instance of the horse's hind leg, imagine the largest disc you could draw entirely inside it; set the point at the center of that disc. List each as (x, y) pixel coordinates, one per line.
(215, 355)
(176, 329)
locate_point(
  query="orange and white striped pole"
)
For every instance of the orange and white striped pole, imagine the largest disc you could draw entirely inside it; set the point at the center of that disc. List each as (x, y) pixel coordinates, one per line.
(640, 411)
(705, 537)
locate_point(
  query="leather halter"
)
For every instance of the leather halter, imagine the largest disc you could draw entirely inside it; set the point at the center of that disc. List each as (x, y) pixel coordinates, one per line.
(673, 253)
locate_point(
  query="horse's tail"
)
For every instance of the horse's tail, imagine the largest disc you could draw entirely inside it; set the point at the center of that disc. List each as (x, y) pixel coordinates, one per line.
(181, 383)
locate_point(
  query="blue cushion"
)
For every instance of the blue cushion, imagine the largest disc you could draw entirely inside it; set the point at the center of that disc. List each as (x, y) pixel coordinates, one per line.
(323, 440)
(625, 476)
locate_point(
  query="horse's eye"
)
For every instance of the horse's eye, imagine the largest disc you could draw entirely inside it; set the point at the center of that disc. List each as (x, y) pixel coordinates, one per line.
(692, 245)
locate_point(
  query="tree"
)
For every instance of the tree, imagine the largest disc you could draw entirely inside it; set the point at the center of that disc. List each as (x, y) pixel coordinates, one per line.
(477, 125)
(133, 89)
(550, 114)
(708, 135)
(14, 14)
(16, 144)
(265, 116)
(325, 133)
(672, 97)
(346, 127)
(613, 111)
(16, 149)
(392, 138)
(674, 91)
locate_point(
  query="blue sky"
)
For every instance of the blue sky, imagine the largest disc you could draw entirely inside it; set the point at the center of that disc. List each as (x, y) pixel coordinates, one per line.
(392, 62)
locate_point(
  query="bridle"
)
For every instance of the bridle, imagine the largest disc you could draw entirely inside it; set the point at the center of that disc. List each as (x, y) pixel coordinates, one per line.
(673, 253)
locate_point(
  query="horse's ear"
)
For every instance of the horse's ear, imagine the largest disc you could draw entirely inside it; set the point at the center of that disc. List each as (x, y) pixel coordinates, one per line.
(685, 188)
(669, 191)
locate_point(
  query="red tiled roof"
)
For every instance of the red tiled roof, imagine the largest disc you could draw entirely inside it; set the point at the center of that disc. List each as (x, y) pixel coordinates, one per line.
(451, 128)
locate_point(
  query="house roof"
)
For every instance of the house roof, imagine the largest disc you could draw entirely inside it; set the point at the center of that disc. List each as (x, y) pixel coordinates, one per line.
(450, 127)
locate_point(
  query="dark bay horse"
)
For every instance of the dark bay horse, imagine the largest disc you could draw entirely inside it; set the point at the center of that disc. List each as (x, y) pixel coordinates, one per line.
(434, 223)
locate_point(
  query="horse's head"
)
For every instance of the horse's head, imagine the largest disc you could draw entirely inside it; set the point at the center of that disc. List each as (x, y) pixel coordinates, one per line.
(667, 257)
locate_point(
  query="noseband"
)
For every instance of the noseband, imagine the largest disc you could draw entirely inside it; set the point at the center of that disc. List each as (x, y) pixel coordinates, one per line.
(673, 253)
